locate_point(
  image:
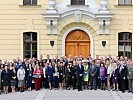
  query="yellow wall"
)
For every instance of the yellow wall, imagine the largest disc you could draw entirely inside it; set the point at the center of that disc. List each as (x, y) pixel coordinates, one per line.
(16, 19)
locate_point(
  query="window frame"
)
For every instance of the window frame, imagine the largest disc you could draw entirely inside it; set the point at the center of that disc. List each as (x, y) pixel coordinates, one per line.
(124, 41)
(124, 4)
(75, 2)
(31, 42)
(31, 3)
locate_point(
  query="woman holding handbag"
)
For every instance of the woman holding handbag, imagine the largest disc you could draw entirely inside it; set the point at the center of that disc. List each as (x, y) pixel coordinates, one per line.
(37, 75)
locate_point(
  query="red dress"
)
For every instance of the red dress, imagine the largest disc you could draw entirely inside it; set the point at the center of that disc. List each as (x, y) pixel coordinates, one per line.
(37, 79)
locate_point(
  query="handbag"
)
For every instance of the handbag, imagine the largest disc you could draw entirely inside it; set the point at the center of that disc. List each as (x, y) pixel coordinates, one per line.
(35, 76)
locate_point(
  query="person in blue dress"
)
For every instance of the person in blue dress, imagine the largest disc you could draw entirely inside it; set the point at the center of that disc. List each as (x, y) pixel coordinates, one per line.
(50, 72)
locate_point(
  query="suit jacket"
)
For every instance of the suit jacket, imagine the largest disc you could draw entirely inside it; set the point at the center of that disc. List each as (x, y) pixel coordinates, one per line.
(130, 72)
(73, 71)
(61, 70)
(93, 70)
(46, 60)
(67, 73)
(79, 70)
(56, 60)
(104, 75)
(123, 72)
(50, 71)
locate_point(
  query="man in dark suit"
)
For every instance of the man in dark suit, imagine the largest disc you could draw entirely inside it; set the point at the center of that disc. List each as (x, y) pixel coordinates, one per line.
(93, 75)
(48, 60)
(79, 72)
(56, 60)
(122, 76)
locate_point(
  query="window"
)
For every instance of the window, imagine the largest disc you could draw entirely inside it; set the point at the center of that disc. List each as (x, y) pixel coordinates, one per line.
(125, 44)
(30, 44)
(77, 2)
(125, 2)
(29, 2)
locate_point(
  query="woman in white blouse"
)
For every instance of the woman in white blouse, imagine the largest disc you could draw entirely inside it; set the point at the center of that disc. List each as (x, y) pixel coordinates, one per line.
(21, 78)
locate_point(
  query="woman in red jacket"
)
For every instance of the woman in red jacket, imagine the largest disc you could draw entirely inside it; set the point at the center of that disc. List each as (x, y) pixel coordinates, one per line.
(37, 77)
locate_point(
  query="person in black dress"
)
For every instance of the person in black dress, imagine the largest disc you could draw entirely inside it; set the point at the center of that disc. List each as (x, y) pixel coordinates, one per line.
(29, 74)
(13, 77)
(5, 79)
(73, 74)
(61, 75)
(115, 75)
(68, 77)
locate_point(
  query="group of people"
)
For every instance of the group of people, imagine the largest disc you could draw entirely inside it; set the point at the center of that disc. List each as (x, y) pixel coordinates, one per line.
(79, 73)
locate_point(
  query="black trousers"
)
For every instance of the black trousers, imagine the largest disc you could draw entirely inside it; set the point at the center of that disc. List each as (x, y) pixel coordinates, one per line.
(122, 84)
(74, 82)
(93, 82)
(79, 82)
(68, 82)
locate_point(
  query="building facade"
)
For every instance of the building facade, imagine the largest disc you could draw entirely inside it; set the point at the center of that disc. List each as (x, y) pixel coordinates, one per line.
(30, 28)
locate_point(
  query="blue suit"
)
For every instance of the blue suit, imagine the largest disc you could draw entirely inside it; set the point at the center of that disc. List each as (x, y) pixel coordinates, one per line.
(50, 72)
(79, 71)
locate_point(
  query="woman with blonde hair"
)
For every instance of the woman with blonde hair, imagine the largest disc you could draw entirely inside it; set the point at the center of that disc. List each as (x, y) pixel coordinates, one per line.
(86, 73)
(109, 73)
(115, 76)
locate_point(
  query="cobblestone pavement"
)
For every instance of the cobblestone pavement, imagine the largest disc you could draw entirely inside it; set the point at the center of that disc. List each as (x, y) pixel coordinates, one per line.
(67, 95)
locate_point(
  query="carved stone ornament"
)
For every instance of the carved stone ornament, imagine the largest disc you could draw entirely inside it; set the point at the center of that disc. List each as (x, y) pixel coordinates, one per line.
(78, 15)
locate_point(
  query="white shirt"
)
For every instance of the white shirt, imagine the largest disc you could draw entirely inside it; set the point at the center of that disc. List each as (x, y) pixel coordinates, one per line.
(44, 72)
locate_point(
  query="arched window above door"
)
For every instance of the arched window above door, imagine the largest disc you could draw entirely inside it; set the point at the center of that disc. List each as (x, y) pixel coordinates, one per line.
(77, 2)
(125, 44)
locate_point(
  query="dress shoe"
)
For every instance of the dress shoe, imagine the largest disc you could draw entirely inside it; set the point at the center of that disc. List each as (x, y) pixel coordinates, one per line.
(68, 88)
(129, 91)
(123, 91)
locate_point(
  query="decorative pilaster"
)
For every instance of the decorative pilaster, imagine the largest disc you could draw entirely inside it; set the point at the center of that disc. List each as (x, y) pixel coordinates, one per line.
(51, 17)
(107, 25)
(100, 27)
(104, 17)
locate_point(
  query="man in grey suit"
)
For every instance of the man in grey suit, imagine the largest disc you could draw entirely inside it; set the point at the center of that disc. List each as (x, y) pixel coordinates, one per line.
(93, 75)
(130, 76)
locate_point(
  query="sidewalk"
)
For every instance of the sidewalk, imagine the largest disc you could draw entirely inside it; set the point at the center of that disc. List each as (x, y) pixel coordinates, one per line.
(27, 95)
(67, 95)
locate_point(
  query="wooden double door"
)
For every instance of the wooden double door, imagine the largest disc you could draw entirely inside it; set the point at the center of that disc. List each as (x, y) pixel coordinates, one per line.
(77, 43)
